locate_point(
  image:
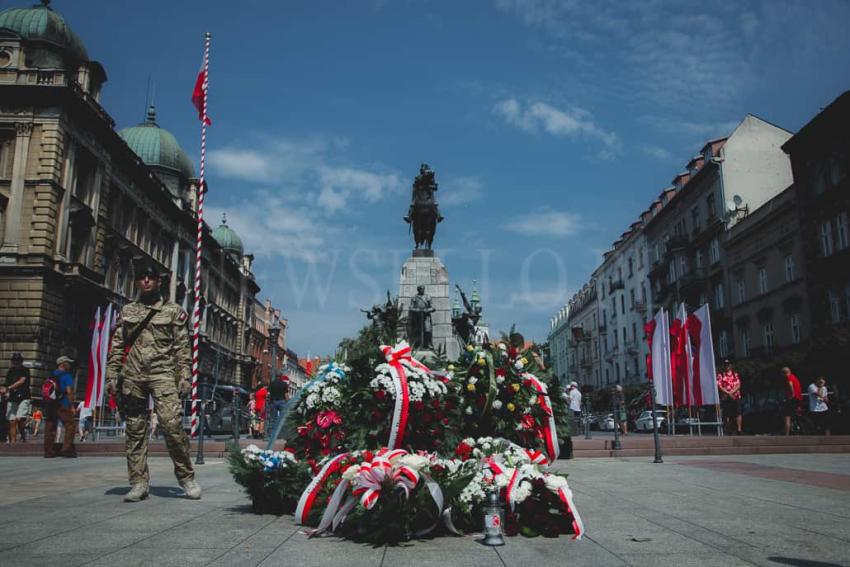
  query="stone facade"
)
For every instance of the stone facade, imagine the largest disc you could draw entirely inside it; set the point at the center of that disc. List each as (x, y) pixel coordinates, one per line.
(430, 272)
(77, 205)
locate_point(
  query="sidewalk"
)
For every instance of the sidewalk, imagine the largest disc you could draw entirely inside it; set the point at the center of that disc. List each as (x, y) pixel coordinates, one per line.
(709, 510)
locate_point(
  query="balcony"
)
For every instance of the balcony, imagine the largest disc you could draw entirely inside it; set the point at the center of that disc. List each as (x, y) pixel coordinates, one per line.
(693, 278)
(615, 285)
(677, 242)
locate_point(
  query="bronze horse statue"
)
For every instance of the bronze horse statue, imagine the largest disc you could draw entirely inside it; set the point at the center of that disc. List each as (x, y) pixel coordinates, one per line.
(424, 212)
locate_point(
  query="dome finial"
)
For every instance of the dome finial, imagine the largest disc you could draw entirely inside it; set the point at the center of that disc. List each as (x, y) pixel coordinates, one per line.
(45, 3)
(150, 117)
(224, 218)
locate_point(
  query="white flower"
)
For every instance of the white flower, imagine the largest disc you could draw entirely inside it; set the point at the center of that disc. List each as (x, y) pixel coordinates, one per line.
(522, 491)
(468, 410)
(554, 482)
(500, 379)
(473, 380)
(497, 404)
(350, 472)
(519, 365)
(415, 462)
(503, 346)
(532, 400)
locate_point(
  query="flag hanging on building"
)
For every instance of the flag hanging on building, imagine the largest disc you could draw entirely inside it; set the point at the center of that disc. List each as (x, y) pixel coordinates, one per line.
(94, 361)
(661, 359)
(199, 93)
(705, 373)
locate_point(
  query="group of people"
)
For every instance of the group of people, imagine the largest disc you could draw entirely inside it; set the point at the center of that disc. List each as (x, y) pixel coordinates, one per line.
(729, 385)
(266, 406)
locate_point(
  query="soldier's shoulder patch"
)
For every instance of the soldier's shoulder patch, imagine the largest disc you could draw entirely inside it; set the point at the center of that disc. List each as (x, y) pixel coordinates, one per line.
(182, 317)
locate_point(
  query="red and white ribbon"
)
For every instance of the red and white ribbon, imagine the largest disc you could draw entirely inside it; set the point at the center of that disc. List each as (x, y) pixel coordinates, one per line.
(395, 356)
(566, 496)
(537, 457)
(550, 435)
(368, 481)
(308, 497)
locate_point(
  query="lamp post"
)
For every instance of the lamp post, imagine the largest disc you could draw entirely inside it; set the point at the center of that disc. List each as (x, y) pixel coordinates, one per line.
(615, 410)
(587, 434)
(655, 436)
(274, 333)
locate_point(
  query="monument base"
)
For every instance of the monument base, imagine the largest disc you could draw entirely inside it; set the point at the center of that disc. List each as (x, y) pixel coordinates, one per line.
(423, 268)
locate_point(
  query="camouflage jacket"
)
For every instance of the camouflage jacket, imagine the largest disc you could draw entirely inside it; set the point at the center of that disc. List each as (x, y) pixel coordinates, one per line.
(162, 349)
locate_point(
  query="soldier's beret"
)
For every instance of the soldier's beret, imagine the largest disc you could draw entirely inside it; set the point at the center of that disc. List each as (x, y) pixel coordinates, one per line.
(143, 266)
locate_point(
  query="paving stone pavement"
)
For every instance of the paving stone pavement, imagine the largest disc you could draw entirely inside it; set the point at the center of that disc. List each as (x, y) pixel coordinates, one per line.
(713, 511)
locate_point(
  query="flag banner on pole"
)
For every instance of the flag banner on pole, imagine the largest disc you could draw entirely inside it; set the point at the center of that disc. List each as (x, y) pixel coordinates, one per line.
(661, 359)
(687, 358)
(105, 341)
(94, 361)
(678, 358)
(199, 93)
(705, 361)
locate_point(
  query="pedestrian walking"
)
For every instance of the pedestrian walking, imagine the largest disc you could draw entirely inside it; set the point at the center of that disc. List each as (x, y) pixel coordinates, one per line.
(729, 384)
(84, 415)
(260, 396)
(58, 396)
(17, 391)
(620, 409)
(819, 404)
(149, 355)
(793, 398)
(37, 417)
(275, 406)
(575, 399)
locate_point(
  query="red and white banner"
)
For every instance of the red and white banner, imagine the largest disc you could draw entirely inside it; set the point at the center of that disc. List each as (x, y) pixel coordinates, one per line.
(660, 359)
(308, 497)
(103, 351)
(704, 373)
(550, 435)
(679, 358)
(94, 362)
(394, 357)
(199, 93)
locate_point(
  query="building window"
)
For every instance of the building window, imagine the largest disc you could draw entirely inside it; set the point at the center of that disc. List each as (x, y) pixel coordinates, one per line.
(714, 251)
(767, 332)
(745, 343)
(723, 343)
(795, 329)
(640, 257)
(634, 332)
(7, 152)
(683, 265)
(834, 307)
(762, 276)
(695, 218)
(671, 272)
(622, 305)
(699, 259)
(711, 206)
(617, 369)
(703, 298)
(841, 226)
(656, 253)
(631, 263)
(742, 290)
(789, 268)
(826, 238)
(719, 302)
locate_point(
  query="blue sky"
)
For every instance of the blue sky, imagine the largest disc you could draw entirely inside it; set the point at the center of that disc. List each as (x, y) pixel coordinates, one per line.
(550, 124)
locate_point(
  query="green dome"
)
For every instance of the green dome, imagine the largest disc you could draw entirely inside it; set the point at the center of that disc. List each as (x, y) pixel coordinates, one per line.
(156, 146)
(227, 237)
(40, 23)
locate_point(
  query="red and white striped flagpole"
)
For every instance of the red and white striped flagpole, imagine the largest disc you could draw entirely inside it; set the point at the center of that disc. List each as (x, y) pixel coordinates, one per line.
(196, 311)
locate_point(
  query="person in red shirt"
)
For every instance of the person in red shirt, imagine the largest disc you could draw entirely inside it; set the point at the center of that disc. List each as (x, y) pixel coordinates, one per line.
(793, 397)
(729, 383)
(260, 404)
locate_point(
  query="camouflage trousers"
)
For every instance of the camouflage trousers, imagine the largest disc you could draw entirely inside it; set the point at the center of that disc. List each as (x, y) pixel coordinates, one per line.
(169, 413)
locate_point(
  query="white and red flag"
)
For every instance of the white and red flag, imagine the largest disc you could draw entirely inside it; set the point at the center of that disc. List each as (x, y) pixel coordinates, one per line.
(660, 359)
(704, 373)
(94, 362)
(107, 325)
(199, 93)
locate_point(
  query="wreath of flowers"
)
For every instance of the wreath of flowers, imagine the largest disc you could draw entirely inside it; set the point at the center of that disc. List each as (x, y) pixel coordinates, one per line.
(318, 416)
(272, 479)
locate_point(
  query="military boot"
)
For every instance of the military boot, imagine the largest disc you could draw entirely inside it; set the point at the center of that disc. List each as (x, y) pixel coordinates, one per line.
(137, 492)
(192, 489)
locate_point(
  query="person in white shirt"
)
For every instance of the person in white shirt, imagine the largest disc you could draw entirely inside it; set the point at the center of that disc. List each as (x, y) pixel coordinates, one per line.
(575, 399)
(819, 404)
(85, 423)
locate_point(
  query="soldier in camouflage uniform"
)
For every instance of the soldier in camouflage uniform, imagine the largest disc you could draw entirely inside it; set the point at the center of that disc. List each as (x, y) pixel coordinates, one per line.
(156, 363)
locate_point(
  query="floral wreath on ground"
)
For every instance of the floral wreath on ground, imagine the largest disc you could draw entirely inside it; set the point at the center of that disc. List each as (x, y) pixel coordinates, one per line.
(272, 479)
(405, 405)
(317, 419)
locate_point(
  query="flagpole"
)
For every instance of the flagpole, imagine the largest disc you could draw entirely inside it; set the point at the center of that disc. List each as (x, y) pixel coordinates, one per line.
(196, 310)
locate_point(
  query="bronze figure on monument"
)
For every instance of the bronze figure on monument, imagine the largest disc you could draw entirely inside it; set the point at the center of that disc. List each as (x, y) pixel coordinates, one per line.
(419, 327)
(424, 213)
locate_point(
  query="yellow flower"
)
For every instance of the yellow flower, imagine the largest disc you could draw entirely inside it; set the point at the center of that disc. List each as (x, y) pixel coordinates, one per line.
(451, 368)
(510, 406)
(470, 387)
(470, 348)
(515, 387)
(524, 361)
(482, 362)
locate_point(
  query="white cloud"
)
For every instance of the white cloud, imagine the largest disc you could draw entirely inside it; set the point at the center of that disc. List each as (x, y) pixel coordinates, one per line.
(546, 222)
(308, 168)
(460, 191)
(655, 151)
(539, 116)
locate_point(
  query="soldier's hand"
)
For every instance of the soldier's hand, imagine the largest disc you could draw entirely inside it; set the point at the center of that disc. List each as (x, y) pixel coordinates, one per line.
(110, 387)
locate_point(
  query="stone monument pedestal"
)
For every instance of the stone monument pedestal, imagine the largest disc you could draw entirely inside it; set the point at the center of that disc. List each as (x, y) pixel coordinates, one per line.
(424, 268)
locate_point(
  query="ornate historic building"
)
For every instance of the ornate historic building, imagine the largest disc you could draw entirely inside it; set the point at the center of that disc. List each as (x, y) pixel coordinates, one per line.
(79, 200)
(584, 363)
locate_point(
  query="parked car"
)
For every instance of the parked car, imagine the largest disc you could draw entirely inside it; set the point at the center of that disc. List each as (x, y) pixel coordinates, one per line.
(606, 423)
(219, 408)
(644, 422)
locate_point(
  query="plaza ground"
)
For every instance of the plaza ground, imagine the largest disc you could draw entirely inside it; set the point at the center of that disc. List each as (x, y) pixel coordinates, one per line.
(707, 510)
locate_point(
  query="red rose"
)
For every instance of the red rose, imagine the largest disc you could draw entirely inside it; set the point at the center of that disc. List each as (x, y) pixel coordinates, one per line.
(463, 451)
(325, 451)
(367, 456)
(500, 372)
(379, 394)
(419, 405)
(435, 404)
(445, 421)
(427, 418)
(528, 421)
(449, 405)
(438, 415)
(512, 352)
